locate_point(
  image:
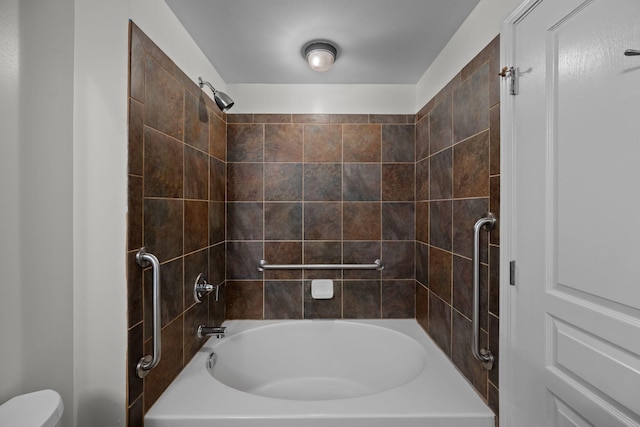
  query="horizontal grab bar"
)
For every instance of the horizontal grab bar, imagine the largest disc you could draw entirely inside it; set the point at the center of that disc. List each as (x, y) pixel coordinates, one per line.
(377, 265)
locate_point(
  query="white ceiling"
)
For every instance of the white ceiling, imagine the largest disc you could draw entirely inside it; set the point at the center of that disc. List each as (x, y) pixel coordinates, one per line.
(378, 41)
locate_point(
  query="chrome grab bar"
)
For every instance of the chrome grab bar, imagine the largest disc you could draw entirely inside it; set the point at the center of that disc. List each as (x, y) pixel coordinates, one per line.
(481, 354)
(264, 265)
(149, 362)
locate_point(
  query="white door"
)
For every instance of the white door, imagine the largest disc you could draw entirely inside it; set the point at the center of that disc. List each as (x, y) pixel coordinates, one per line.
(573, 200)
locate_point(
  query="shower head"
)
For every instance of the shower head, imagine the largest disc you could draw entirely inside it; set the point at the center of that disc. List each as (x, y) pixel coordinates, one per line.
(223, 101)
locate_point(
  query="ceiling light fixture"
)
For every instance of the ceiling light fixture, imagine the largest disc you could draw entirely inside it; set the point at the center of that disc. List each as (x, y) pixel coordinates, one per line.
(320, 55)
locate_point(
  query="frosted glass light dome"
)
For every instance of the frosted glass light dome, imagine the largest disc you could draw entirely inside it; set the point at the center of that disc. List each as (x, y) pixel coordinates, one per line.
(320, 55)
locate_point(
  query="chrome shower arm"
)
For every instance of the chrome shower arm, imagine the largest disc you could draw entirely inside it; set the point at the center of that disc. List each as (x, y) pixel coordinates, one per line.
(203, 82)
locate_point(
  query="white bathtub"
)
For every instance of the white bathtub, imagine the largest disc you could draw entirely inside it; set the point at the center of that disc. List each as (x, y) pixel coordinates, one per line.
(316, 373)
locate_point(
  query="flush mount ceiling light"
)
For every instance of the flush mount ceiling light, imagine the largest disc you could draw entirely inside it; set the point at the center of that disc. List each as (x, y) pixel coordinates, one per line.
(320, 55)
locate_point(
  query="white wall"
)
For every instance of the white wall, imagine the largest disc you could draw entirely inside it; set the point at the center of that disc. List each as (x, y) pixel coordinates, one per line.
(10, 289)
(46, 195)
(482, 25)
(36, 283)
(318, 99)
(99, 210)
(158, 22)
(100, 190)
(63, 186)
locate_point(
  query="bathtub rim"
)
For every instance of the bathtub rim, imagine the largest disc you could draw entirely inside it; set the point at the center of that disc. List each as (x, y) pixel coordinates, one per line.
(451, 401)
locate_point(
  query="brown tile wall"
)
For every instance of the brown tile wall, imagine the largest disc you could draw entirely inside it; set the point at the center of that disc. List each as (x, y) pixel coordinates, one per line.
(320, 189)
(457, 181)
(177, 149)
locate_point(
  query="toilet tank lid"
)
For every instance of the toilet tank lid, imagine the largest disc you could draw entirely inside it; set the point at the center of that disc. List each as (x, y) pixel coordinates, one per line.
(41, 408)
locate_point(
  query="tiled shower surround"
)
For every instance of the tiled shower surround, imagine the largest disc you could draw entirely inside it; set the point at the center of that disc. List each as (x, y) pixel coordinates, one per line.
(176, 210)
(457, 181)
(325, 189)
(216, 193)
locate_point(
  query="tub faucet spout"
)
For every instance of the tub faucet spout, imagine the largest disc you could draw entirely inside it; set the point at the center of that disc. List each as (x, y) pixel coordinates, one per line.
(207, 331)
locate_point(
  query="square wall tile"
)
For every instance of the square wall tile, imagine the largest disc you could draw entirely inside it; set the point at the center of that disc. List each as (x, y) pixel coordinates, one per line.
(398, 221)
(135, 214)
(164, 100)
(196, 122)
(440, 323)
(163, 227)
(471, 105)
(217, 180)
(440, 267)
(244, 181)
(217, 137)
(283, 143)
(471, 167)
(244, 220)
(398, 259)
(423, 138)
(361, 299)
(422, 180)
(362, 143)
(422, 306)
(398, 143)
(163, 165)
(361, 182)
(398, 182)
(323, 143)
(441, 125)
(441, 175)
(422, 222)
(323, 221)
(243, 259)
(245, 142)
(322, 181)
(196, 174)
(196, 225)
(136, 132)
(244, 300)
(422, 263)
(362, 221)
(283, 181)
(283, 221)
(283, 300)
(398, 299)
(440, 223)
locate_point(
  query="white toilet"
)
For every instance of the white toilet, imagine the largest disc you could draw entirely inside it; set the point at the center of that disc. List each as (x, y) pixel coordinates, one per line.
(38, 409)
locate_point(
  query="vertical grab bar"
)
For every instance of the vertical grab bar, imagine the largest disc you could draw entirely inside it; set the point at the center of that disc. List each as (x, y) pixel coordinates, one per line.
(481, 354)
(149, 362)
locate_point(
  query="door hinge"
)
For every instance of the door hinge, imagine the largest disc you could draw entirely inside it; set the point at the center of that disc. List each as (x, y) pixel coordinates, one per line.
(510, 73)
(512, 273)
